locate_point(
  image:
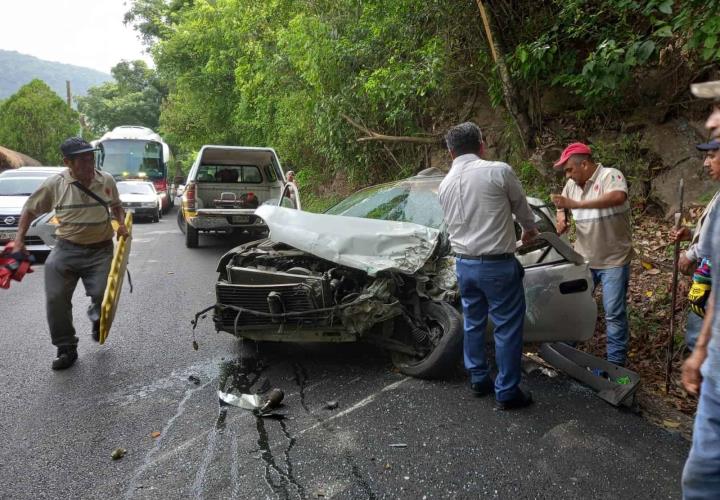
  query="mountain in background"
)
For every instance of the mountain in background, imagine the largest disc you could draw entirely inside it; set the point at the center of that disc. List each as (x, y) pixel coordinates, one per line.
(18, 69)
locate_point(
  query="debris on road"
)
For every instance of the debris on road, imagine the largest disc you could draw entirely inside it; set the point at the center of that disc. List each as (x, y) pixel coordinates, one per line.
(195, 380)
(118, 453)
(245, 401)
(398, 445)
(331, 405)
(155, 434)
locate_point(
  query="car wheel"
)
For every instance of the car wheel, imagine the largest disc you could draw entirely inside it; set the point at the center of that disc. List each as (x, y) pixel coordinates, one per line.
(191, 236)
(443, 325)
(156, 216)
(160, 214)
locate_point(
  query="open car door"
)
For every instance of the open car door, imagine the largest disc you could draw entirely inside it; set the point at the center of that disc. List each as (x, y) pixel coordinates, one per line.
(558, 292)
(290, 197)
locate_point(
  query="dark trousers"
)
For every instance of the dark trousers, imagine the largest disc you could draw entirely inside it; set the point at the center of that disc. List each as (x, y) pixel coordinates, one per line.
(66, 264)
(493, 288)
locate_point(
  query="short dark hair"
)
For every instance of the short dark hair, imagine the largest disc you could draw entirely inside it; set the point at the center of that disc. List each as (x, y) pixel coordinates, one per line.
(464, 138)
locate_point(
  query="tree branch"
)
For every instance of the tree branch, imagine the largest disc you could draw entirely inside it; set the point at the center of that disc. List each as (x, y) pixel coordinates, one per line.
(371, 135)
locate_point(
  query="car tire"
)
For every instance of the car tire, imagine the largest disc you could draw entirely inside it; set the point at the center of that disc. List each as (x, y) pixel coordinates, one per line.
(446, 354)
(191, 236)
(156, 217)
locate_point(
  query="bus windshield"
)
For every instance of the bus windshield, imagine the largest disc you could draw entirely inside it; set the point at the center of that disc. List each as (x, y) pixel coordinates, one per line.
(130, 158)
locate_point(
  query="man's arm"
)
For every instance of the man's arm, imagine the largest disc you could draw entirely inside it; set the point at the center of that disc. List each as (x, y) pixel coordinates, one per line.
(691, 377)
(520, 207)
(611, 199)
(119, 214)
(25, 219)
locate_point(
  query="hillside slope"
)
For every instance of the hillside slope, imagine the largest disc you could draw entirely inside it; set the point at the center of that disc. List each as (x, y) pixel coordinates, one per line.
(18, 69)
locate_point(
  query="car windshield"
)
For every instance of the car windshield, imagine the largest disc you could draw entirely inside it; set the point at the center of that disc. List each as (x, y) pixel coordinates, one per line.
(412, 200)
(19, 186)
(130, 188)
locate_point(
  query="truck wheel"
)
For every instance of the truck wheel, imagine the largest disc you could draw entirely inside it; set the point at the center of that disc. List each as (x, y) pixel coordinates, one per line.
(191, 236)
(444, 327)
(181, 221)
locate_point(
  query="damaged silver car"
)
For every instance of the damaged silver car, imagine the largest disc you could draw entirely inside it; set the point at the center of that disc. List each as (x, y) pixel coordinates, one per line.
(378, 267)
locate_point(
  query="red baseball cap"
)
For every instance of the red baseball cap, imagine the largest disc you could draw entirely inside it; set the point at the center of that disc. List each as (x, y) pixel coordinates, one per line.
(576, 148)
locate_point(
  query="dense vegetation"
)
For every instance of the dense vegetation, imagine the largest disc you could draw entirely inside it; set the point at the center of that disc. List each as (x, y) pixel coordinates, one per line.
(35, 120)
(134, 98)
(312, 77)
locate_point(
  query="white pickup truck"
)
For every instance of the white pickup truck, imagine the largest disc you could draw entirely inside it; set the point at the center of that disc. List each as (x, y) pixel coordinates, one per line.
(225, 186)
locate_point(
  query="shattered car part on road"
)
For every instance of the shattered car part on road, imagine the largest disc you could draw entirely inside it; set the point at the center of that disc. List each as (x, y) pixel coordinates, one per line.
(378, 267)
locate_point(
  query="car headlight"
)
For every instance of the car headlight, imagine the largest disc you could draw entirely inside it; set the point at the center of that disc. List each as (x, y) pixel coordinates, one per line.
(148, 204)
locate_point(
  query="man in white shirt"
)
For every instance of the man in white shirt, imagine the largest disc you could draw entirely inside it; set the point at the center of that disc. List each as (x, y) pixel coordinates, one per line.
(479, 199)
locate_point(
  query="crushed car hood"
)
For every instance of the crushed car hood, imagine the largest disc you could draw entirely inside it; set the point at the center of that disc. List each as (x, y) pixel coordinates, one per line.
(366, 244)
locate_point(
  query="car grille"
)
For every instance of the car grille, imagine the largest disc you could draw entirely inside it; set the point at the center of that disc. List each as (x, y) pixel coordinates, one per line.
(33, 240)
(9, 220)
(132, 204)
(295, 298)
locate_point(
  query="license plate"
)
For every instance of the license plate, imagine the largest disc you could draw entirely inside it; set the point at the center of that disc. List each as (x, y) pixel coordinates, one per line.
(240, 219)
(7, 235)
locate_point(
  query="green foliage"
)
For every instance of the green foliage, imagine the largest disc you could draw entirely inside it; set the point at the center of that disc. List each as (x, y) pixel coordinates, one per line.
(134, 98)
(35, 121)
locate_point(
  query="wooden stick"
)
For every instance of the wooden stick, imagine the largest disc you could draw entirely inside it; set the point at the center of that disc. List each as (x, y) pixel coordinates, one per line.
(673, 302)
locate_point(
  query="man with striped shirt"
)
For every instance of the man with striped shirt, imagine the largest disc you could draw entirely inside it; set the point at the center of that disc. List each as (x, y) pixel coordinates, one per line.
(84, 200)
(598, 199)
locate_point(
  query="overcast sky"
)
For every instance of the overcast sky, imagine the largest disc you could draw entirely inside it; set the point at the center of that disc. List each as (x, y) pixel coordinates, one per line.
(82, 32)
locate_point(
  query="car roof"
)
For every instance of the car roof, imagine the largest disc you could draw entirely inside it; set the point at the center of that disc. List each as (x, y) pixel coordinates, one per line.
(31, 172)
(135, 182)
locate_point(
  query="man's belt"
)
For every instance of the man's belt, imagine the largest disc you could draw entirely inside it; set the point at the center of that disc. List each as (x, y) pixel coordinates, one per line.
(99, 244)
(489, 257)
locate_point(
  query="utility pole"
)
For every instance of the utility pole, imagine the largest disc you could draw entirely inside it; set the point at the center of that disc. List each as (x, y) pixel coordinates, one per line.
(69, 93)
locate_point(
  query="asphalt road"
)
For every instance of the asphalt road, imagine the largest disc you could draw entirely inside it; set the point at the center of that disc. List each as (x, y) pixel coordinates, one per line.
(59, 429)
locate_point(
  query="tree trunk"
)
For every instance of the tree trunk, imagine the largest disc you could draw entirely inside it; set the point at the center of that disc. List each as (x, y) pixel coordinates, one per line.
(510, 96)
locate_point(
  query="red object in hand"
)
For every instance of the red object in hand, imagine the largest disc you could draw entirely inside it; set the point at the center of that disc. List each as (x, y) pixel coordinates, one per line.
(14, 265)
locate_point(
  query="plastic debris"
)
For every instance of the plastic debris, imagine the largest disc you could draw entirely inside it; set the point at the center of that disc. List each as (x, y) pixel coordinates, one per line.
(118, 453)
(195, 380)
(398, 445)
(331, 405)
(155, 434)
(244, 401)
(624, 380)
(273, 400)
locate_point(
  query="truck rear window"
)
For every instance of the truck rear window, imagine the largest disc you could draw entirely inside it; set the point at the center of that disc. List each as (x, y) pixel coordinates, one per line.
(229, 174)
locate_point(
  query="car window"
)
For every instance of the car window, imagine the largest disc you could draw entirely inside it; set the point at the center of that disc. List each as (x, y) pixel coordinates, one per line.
(245, 174)
(19, 186)
(134, 188)
(270, 173)
(414, 200)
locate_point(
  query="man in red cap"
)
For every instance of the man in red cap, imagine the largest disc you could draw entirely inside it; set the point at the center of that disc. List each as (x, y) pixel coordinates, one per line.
(701, 371)
(597, 197)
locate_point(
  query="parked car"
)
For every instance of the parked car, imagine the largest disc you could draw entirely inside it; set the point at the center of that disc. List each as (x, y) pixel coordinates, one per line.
(15, 187)
(378, 267)
(225, 186)
(140, 199)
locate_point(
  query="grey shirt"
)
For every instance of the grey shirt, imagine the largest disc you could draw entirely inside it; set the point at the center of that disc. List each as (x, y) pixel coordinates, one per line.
(478, 199)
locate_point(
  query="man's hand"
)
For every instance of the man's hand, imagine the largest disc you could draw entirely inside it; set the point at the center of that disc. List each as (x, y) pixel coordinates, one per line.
(691, 377)
(682, 234)
(122, 231)
(685, 265)
(561, 222)
(563, 201)
(19, 246)
(529, 236)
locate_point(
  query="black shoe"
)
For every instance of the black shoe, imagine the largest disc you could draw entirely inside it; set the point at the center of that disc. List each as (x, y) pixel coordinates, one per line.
(66, 357)
(96, 331)
(484, 388)
(520, 400)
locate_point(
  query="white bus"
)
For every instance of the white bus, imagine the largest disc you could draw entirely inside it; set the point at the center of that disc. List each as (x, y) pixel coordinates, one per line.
(133, 152)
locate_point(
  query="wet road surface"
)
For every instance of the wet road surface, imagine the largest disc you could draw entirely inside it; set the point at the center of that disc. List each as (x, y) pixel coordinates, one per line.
(389, 437)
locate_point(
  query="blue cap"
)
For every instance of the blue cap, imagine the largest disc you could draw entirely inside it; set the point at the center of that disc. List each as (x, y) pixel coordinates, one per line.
(709, 146)
(75, 146)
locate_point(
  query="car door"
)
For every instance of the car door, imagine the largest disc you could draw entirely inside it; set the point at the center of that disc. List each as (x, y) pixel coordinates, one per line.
(558, 288)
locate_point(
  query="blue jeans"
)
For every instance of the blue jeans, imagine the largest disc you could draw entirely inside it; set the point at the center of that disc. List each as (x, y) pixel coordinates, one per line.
(701, 476)
(494, 288)
(615, 285)
(692, 329)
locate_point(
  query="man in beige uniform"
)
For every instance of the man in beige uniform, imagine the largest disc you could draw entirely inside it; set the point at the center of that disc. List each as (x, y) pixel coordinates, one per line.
(83, 199)
(598, 199)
